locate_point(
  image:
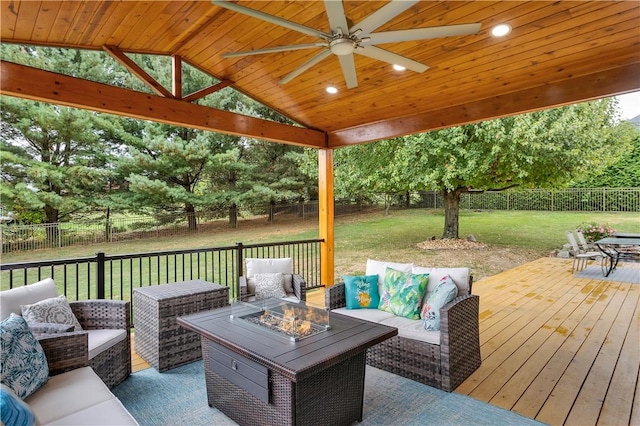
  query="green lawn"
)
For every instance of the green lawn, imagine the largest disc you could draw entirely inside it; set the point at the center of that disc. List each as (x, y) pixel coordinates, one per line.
(512, 237)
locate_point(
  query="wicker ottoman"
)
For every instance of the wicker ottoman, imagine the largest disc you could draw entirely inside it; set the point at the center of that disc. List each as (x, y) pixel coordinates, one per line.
(159, 340)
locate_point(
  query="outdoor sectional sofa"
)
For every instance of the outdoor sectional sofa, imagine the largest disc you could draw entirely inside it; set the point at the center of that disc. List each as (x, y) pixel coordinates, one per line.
(442, 359)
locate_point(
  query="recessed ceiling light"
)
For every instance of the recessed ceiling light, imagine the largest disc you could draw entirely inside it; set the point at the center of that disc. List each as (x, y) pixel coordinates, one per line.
(399, 67)
(332, 90)
(501, 30)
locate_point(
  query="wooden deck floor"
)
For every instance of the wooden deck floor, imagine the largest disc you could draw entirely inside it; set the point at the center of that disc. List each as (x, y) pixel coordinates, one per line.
(556, 348)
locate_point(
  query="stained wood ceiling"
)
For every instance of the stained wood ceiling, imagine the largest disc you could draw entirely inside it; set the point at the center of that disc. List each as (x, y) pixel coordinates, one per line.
(558, 52)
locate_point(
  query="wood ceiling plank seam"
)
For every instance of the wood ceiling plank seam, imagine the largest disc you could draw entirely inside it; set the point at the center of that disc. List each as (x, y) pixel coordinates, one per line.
(102, 35)
(176, 36)
(96, 24)
(9, 19)
(46, 16)
(125, 33)
(585, 88)
(153, 23)
(27, 15)
(63, 22)
(80, 22)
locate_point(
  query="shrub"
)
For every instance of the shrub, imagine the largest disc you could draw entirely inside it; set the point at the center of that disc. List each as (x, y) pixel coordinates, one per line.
(594, 231)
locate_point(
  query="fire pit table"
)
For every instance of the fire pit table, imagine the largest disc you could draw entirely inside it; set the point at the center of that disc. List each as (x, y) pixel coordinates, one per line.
(298, 365)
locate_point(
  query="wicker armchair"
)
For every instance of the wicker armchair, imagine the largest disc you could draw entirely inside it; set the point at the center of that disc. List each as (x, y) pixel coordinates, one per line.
(101, 320)
(443, 366)
(254, 266)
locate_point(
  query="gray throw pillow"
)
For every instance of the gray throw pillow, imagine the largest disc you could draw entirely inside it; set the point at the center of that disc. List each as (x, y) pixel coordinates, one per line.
(55, 309)
(50, 328)
(269, 285)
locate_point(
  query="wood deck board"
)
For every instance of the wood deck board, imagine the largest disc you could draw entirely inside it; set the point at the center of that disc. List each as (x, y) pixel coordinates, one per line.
(557, 348)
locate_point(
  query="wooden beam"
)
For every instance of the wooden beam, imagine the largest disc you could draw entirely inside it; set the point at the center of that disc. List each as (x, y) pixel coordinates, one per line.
(136, 70)
(326, 216)
(176, 76)
(580, 89)
(31, 83)
(208, 90)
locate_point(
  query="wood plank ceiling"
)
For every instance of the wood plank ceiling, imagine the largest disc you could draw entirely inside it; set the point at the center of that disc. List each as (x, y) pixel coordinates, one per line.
(559, 52)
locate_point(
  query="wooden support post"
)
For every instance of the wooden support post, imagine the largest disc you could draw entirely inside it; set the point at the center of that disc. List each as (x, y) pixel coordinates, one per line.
(326, 215)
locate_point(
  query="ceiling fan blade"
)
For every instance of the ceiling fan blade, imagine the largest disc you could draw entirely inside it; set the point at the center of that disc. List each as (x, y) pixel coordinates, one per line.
(274, 49)
(337, 18)
(422, 33)
(391, 58)
(270, 18)
(348, 65)
(302, 68)
(382, 15)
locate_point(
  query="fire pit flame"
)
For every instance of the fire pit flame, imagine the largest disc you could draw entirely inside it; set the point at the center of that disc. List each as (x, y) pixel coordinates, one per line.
(292, 321)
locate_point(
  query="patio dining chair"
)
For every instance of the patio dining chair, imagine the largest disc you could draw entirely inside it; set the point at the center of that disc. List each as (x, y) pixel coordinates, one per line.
(581, 257)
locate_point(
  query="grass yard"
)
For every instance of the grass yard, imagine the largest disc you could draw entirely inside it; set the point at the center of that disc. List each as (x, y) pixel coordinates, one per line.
(513, 238)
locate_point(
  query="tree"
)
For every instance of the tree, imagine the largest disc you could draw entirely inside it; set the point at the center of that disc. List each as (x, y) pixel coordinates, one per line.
(542, 149)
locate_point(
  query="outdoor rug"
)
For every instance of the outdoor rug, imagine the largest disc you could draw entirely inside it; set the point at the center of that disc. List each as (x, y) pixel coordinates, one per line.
(624, 273)
(178, 397)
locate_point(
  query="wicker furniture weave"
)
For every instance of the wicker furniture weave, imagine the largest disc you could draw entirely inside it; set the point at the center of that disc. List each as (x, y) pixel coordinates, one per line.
(112, 365)
(65, 352)
(159, 339)
(443, 366)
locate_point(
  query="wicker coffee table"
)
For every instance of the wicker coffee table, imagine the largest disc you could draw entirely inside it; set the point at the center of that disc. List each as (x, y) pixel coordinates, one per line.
(257, 378)
(159, 340)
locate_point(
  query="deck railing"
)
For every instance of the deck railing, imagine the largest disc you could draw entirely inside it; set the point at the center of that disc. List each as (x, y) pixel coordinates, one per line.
(116, 276)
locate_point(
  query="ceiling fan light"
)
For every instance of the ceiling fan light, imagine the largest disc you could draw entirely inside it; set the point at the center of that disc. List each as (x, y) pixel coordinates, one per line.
(399, 67)
(342, 46)
(332, 90)
(501, 30)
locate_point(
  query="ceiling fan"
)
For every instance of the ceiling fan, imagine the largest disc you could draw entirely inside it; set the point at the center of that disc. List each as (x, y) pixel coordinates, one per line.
(344, 40)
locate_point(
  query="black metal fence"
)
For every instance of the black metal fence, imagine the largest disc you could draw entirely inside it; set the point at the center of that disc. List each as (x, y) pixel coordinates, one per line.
(116, 276)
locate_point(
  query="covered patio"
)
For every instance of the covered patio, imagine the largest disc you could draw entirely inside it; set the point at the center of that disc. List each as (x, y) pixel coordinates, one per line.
(556, 348)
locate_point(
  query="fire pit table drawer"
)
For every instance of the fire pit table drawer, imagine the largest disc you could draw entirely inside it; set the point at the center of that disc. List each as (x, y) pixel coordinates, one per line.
(241, 371)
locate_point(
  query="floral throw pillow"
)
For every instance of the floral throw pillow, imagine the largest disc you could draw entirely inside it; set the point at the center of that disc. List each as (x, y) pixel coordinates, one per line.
(444, 293)
(269, 285)
(361, 291)
(53, 310)
(23, 364)
(407, 297)
(392, 279)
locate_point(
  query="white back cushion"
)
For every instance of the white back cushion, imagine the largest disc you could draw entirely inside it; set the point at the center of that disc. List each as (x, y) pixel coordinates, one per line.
(269, 266)
(10, 300)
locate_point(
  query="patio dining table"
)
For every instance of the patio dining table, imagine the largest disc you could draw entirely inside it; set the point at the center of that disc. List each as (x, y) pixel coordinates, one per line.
(618, 248)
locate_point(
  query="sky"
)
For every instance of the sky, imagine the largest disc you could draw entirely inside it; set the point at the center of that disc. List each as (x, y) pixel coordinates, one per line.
(629, 105)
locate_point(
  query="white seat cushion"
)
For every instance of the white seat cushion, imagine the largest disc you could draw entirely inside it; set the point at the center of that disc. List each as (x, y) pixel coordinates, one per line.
(379, 268)
(460, 277)
(68, 393)
(103, 339)
(373, 315)
(107, 413)
(413, 329)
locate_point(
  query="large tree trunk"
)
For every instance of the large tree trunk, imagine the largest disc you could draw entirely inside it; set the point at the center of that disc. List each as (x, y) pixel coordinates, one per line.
(191, 217)
(233, 215)
(53, 229)
(451, 212)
